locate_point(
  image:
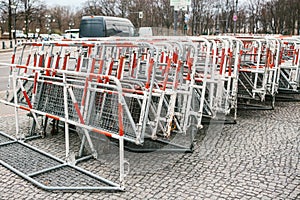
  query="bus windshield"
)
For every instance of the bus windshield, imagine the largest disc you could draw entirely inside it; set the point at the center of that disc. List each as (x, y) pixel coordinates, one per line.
(92, 28)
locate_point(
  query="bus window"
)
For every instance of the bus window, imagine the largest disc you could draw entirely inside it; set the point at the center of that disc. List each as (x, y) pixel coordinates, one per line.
(105, 26)
(115, 28)
(91, 27)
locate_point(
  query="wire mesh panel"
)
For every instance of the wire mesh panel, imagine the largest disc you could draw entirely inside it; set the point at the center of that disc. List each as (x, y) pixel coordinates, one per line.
(58, 97)
(289, 64)
(259, 72)
(152, 92)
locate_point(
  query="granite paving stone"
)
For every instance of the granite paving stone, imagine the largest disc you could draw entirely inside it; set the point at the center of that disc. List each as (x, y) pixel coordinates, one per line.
(257, 158)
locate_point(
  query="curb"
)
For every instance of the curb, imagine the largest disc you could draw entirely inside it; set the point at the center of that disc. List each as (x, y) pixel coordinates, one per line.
(6, 50)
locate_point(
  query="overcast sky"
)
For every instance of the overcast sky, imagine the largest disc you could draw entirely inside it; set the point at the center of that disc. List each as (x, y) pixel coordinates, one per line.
(72, 3)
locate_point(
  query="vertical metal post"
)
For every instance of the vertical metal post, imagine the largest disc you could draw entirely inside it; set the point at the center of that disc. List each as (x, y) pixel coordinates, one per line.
(218, 19)
(175, 22)
(14, 86)
(227, 16)
(14, 8)
(235, 14)
(15, 19)
(122, 170)
(67, 135)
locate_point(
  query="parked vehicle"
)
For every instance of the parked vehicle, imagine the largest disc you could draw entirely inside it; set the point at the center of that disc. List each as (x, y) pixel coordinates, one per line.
(55, 36)
(145, 31)
(44, 37)
(104, 26)
(31, 35)
(19, 34)
(71, 34)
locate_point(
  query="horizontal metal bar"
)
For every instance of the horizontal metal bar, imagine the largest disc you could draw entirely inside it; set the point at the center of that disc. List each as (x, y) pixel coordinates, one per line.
(46, 170)
(38, 184)
(8, 136)
(7, 143)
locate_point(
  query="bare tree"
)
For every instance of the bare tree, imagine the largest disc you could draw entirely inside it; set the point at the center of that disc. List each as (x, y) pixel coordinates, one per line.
(62, 18)
(101, 7)
(29, 10)
(255, 16)
(7, 12)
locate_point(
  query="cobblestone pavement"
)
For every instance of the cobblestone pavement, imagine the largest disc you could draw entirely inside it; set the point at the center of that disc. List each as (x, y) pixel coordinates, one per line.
(257, 158)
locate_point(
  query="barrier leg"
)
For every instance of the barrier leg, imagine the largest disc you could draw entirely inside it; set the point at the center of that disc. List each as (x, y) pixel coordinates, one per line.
(14, 82)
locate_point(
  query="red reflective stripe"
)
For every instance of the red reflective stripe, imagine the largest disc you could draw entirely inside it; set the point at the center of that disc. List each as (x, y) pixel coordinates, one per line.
(48, 66)
(91, 76)
(179, 64)
(78, 64)
(143, 54)
(126, 45)
(87, 45)
(120, 114)
(28, 61)
(120, 68)
(35, 82)
(133, 91)
(65, 62)
(217, 53)
(48, 82)
(222, 61)
(101, 62)
(188, 55)
(41, 60)
(255, 52)
(21, 66)
(230, 62)
(13, 58)
(61, 45)
(93, 65)
(56, 64)
(35, 44)
(52, 116)
(297, 57)
(27, 99)
(34, 60)
(134, 64)
(281, 55)
(150, 68)
(78, 112)
(109, 70)
(162, 57)
(102, 132)
(212, 52)
(175, 57)
(189, 64)
(24, 108)
(89, 50)
(270, 63)
(24, 79)
(166, 75)
(100, 71)
(161, 60)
